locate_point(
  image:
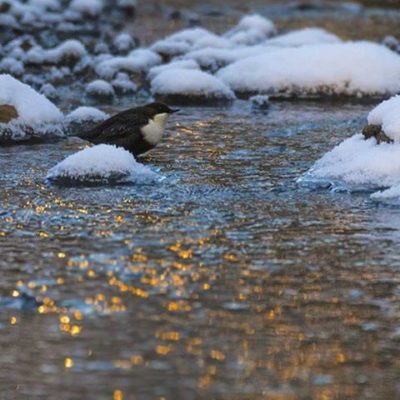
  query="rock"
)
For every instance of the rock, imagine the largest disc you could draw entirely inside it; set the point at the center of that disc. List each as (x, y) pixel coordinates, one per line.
(376, 131)
(7, 113)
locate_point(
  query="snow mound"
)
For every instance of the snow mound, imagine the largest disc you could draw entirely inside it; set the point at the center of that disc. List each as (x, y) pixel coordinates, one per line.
(33, 108)
(84, 114)
(192, 85)
(303, 37)
(100, 88)
(183, 64)
(251, 29)
(68, 51)
(140, 60)
(357, 164)
(101, 164)
(387, 115)
(91, 8)
(353, 68)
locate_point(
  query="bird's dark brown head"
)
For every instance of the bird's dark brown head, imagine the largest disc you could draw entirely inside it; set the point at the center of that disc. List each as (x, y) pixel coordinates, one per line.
(159, 108)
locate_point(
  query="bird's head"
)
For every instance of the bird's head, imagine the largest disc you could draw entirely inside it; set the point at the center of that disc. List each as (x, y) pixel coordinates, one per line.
(159, 112)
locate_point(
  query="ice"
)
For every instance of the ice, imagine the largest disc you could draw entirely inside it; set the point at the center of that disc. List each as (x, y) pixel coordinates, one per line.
(190, 83)
(101, 164)
(357, 164)
(33, 108)
(387, 115)
(352, 68)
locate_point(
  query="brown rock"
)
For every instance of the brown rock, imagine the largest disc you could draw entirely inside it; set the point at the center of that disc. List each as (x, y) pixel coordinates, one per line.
(7, 113)
(376, 131)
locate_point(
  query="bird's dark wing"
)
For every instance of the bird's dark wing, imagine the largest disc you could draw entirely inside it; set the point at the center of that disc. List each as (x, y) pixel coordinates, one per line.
(117, 127)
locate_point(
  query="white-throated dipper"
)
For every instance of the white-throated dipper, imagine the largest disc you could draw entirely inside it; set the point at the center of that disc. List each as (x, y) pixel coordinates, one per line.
(137, 130)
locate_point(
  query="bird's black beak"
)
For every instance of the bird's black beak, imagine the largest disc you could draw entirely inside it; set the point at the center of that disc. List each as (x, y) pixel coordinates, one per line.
(173, 111)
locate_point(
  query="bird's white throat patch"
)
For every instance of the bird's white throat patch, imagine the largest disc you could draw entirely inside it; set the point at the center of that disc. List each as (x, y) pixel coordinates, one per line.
(154, 130)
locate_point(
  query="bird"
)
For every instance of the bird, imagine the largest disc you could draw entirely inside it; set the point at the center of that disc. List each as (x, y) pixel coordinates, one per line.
(137, 129)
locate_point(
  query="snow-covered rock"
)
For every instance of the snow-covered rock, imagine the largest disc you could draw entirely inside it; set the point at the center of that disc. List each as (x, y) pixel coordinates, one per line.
(352, 68)
(140, 60)
(100, 88)
(190, 84)
(303, 37)
(387, 116)
(181, 64)
(67, 52)
(357, 164)
(84, 114)
(251, 29)
(91, 8)
(33, 108)
(260, 101)
(123, 84)
(101, 164)
(124, 42)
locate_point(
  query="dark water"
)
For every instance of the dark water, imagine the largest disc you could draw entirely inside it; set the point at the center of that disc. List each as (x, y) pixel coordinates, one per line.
(225, 281)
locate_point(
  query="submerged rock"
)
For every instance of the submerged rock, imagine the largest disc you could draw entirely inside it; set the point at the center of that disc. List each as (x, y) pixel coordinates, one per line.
(7, 113)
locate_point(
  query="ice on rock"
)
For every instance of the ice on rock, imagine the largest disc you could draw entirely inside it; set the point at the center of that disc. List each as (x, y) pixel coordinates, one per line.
(33, 108)
(100, 88)
(387, 115)
(357, 164)
(251, 29)
(352, 68)
(101, 164)
(303, 37)
(140, 60)
(191, 85)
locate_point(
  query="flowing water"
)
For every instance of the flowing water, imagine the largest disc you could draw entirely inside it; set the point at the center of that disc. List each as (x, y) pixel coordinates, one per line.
(227, 280)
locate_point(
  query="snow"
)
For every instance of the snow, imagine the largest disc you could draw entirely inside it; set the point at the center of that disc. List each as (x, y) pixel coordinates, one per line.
(123, 84)
(183, 64)
(88, 7)
(33, 108)
(191, 82)
(302, 37)
(352, 68)
(68, 49)
(251, 29)
(140, 60)
(100, 88)
(101, 164)
(260, 101)
(387, 115)
(124, 42)
(357, 164)
(85, 114)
